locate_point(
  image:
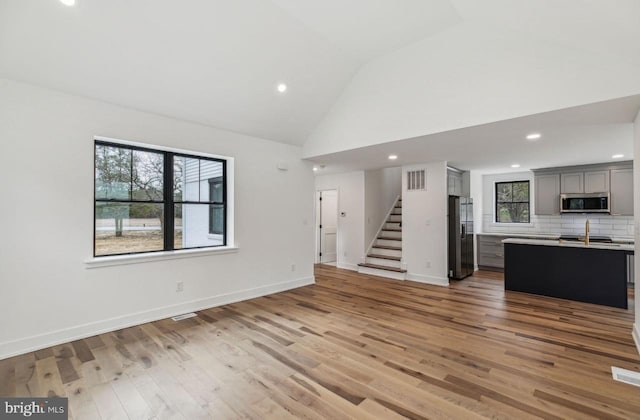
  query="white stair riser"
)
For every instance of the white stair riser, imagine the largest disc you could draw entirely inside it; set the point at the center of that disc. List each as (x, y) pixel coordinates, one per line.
(388, 242)
(392, 225)
(391, 234)
(389, 252)
(382, 273)
(382, 261)
(395, 218)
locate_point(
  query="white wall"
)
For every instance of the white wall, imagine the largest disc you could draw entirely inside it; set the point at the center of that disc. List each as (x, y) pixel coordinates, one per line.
(467, 75)
(47, 293)
(381, 188)
(424, 226)
(636, 210)
(350, 187)
(620, 227)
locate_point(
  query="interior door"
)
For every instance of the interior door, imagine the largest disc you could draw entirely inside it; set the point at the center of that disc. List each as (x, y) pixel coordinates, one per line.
(328, 225)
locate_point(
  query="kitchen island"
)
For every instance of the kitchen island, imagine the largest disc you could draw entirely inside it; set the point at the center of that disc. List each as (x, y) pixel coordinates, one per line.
(596, 273)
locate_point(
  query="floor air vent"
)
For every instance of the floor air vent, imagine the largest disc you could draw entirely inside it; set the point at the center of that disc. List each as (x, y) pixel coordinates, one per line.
(183, 316)
(627, 376)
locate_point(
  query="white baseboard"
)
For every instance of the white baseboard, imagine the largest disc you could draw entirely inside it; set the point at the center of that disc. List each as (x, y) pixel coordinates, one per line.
(421, 278)
(53, 338)
(636, 335)
(347, 266)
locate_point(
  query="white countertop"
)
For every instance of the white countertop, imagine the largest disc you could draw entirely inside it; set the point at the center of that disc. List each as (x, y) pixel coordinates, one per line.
(569, 244)
(522, 235)
(549, 236)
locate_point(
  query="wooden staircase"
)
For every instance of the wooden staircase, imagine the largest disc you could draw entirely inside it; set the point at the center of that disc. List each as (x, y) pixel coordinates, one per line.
(385, 257)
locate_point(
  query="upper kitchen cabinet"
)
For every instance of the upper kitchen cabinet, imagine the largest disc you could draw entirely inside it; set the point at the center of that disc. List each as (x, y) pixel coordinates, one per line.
(547, 194)
(584, 182)
(622, 192)
(572, 183)
(454, 183)
(596, 181)
(613, 178)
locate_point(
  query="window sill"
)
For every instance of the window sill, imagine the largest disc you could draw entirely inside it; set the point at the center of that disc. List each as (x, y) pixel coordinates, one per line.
(157, 256)
(497, 224)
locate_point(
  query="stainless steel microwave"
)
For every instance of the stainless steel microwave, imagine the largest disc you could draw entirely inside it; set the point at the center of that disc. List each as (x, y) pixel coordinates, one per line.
(585, 203)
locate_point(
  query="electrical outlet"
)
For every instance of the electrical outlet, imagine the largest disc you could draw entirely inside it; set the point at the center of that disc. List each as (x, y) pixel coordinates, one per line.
(344, 253)
(293, 267)
(428, 264)
(179, 286)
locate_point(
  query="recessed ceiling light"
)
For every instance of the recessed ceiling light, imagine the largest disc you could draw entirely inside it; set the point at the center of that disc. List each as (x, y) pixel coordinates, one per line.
(618, 156)
(282, 88)
(515, 165)
(393, 157)
(68, 2)
(315, 169)
(534, 136)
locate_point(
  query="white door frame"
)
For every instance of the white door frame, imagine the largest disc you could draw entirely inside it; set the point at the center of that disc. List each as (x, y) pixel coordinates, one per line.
(317, 222)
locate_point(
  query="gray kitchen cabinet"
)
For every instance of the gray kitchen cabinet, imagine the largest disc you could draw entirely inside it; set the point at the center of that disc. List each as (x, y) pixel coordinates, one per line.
(491, 252)
(596, 181)
(547, 194)
(572, 182)
(622, 192)
(454, 183)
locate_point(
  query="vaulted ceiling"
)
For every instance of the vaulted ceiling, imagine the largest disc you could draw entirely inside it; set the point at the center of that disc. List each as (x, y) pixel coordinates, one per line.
(359, 73)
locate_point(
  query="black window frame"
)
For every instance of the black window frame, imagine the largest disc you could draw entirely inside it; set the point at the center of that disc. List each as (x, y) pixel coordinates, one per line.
(168, 201)
(528, 202)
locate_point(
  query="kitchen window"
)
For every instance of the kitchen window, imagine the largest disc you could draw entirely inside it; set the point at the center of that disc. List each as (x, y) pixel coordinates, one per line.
(512, 202)
(150, 200)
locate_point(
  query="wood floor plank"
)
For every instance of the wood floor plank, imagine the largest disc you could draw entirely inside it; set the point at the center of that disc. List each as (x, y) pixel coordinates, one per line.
(351, 346)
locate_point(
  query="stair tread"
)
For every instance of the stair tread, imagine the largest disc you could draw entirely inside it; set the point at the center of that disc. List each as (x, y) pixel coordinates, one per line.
(382, 267)
(392, 248)
(388, 238)
(384, 257)
(391, 230)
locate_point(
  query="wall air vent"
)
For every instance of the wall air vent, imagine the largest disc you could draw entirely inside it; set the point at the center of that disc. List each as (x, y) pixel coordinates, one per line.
(183, 316)
(417, 180)
(627, 376)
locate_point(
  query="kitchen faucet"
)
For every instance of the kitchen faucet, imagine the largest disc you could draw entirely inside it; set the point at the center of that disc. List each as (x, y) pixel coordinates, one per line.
(586, 233)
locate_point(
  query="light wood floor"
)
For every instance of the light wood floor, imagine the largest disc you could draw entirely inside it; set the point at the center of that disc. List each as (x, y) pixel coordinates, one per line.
(351, 346)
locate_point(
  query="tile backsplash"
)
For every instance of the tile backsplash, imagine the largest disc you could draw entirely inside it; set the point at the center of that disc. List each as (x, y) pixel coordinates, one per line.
(614, 226)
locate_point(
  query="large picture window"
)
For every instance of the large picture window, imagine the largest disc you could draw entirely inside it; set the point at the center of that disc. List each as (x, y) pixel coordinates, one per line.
(512, 202)
(149, 200)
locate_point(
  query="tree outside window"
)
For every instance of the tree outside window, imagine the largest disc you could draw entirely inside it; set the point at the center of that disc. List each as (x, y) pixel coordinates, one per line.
(512, 202)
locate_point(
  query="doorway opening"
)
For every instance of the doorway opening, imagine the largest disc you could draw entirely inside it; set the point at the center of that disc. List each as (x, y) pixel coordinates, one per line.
(327, 227)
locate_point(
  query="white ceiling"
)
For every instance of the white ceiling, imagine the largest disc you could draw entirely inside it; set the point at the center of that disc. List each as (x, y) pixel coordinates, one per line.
(366, 29)
(580, 135)
(218, 62)
(215, 62)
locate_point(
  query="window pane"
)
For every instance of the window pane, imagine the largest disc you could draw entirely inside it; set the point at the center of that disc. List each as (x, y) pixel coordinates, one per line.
(520, 191)
(192, 176)
(113, 173)
(216, 219)
(216, 190)
(148, 173)
(186, 179)
(123, 228)
(504, 192)
(505, 211)
(178, 178)
(521, 213)
(192, 226)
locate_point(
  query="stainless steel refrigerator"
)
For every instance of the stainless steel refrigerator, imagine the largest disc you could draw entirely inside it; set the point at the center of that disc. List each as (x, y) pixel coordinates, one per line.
(461, 261)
